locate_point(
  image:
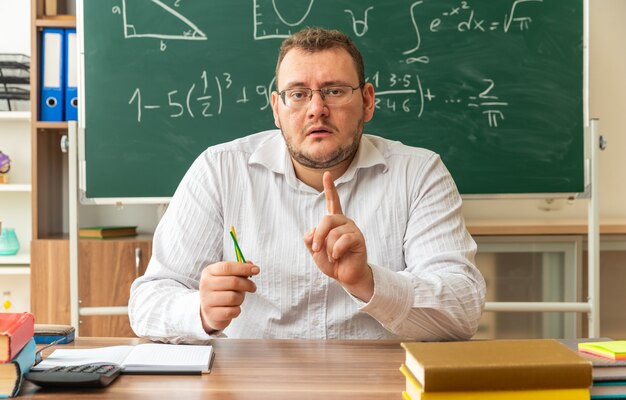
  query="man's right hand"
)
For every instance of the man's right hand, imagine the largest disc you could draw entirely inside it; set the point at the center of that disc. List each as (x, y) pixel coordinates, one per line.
(223, 287)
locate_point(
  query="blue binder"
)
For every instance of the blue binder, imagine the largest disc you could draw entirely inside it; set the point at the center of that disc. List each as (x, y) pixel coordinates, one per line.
(71, 75)
(52, 74)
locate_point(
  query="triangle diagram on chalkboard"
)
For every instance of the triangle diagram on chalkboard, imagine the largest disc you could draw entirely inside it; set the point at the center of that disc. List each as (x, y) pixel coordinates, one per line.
(153, 18)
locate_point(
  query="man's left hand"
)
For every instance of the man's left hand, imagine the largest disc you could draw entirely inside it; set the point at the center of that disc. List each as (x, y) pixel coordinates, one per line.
(338, 247)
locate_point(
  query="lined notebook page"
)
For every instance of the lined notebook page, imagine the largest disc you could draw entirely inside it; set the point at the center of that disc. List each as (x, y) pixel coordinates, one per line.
(175, 357)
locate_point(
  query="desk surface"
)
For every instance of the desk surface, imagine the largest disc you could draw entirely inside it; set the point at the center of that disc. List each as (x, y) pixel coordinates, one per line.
(263, 369)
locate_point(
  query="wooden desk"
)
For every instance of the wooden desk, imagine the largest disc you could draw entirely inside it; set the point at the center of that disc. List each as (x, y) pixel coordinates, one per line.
(262, 370)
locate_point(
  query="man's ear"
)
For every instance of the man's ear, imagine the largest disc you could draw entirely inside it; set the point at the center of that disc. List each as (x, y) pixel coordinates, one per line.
(369, 102)
(275, 100)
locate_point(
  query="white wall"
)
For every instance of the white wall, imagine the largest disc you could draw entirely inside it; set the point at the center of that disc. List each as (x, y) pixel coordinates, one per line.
(607, 101)
(15, 26)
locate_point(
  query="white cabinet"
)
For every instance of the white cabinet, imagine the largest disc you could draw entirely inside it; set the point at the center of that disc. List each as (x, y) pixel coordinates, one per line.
(531, 269)
(15, 210)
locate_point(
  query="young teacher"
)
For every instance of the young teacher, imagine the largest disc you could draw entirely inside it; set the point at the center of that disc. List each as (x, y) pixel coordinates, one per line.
(347, 235)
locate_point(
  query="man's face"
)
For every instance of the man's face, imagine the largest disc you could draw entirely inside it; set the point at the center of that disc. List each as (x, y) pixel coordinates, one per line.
(318, 135)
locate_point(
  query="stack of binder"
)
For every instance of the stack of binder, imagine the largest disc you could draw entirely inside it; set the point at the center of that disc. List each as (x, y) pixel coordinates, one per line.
(14, 82)
(59, 75)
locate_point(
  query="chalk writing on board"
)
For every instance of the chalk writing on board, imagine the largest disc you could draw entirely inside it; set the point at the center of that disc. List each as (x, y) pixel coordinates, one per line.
(359, 26)
(204, 98)
(270, 22)
(466, 19)
(173, 25)
(401, 92)
(209, 96)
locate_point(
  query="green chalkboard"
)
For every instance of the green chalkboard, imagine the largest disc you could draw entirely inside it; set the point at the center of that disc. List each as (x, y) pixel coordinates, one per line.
(494, 86)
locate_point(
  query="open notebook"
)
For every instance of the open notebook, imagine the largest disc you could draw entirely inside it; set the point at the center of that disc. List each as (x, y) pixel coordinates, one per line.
(149, 358)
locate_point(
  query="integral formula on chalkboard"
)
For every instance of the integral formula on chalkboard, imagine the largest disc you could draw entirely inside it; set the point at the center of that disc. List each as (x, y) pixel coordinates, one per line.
(207, 96)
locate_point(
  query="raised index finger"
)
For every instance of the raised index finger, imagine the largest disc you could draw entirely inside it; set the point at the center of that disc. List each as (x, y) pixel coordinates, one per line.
(333, 205)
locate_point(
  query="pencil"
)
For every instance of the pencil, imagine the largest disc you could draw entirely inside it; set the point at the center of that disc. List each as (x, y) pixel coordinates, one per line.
(233, 235)
(238, 253)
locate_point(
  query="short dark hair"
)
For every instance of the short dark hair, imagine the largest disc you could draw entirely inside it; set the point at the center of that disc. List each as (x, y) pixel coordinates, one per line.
(313, 39)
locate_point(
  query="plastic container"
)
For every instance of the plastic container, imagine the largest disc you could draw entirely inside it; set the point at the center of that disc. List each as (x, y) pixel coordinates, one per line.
(9, 245)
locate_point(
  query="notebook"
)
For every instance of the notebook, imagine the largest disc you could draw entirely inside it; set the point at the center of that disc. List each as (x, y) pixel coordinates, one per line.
(149, 358)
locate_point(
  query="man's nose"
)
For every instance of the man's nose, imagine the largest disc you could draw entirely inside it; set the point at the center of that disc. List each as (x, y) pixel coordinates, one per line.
(317, 105)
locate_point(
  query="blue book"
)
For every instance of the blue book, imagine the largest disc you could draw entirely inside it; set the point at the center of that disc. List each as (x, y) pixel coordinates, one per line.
(71, 75)
(608, 390)
(51, 333)
(52, 74)
(12, 372)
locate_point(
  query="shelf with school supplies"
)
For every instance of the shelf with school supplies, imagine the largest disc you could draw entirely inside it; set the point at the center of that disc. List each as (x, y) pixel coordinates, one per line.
(15, 192)
(105, 268)
(14, 82)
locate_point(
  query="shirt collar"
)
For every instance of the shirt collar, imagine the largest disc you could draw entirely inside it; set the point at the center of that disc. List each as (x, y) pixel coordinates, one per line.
(273, 155)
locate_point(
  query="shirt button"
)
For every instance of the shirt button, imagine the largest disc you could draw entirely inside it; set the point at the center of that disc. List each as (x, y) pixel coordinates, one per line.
(315, 322)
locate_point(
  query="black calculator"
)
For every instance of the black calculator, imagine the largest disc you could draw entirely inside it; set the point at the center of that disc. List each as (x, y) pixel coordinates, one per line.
(77, 376)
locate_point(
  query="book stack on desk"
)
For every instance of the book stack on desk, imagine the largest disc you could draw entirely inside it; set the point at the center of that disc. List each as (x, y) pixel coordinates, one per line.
(17, 351)
(540, 369)
(105, 232)
(609, 367)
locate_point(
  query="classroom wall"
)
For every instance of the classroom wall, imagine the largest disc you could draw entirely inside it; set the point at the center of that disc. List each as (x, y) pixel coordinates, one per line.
(607, 94)
(607, 101)
(15, 26)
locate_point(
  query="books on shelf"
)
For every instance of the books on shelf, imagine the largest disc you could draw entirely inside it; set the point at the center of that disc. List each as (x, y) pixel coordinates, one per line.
(16, 329)
(511, 369)
(12, 372)
(104, 232)
(149, 358)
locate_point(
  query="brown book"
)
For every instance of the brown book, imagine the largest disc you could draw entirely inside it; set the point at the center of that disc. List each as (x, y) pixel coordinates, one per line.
(103, 232)
(496, 365)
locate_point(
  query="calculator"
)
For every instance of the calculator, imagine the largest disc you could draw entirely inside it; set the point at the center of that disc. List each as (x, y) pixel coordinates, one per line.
(76, 376)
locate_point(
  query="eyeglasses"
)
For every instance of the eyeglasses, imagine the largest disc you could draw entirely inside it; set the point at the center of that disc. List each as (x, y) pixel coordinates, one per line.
(331, 95)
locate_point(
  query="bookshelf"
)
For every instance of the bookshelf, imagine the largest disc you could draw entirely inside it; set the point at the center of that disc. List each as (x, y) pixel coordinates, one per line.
(15, 210)
(116, 262)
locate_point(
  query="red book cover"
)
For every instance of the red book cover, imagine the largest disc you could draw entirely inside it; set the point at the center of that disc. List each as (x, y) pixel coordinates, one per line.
(16, 329)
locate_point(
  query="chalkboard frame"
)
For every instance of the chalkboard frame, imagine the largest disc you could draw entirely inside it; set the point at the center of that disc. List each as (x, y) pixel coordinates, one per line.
(163, 200)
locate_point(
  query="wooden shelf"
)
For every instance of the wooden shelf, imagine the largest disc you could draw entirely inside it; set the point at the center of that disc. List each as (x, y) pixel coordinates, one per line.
(16, 187)
(58, 21)
(51, 125)
(15, 116)
(18, 259)
(14, 270)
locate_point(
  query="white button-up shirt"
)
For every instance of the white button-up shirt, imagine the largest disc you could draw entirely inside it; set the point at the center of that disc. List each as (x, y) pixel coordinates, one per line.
(403, 200)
